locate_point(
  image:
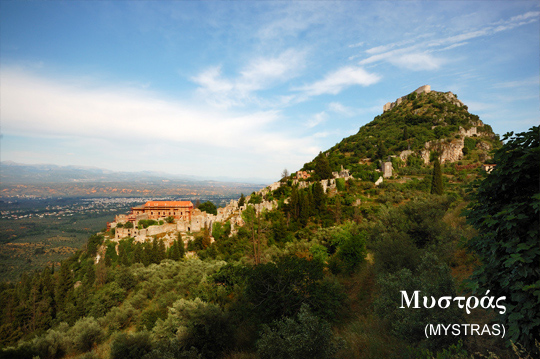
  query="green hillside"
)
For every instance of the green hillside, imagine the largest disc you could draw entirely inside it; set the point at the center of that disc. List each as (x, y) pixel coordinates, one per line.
(319, 273)
(435, 117)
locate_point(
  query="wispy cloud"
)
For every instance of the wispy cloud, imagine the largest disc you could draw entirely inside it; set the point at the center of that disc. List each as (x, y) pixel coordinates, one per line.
(418, 61)
(317, 119)
(335, 82)
(259, 74)
(417, 55)
(340, 109)
(532, 81)
(42, 107)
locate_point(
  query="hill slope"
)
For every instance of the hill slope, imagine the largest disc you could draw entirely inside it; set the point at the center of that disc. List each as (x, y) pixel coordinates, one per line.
(417, 125)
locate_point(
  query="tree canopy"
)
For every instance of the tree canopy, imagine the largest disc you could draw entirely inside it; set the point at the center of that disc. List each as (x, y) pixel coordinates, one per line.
(322, 166)
(208, 207)
(505, 213)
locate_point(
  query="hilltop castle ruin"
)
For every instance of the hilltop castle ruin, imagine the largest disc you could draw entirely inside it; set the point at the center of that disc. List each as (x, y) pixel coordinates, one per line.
(421, 90)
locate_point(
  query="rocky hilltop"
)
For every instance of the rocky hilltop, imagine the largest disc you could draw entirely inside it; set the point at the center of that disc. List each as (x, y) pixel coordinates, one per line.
(412, 130)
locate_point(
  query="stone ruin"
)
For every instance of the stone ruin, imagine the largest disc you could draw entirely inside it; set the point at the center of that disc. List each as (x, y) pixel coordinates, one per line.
(449, 96)
(386, 169)
(390, 105)
(232, 212)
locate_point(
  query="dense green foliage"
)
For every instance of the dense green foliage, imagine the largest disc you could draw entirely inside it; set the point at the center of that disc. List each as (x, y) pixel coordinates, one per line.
(303, 337)
(322, 167)
(506, 214)
(431, 278)
(279, 289)
(208, 207)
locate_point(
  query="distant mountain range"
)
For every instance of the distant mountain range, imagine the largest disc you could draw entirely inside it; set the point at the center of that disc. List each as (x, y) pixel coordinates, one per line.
(13, 172)
(47, 179)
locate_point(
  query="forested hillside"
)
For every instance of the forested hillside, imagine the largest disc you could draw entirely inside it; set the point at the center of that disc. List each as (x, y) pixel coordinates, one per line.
(321, 275)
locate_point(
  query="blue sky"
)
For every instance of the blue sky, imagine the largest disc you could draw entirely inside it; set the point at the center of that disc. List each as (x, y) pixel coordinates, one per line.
(245, 89)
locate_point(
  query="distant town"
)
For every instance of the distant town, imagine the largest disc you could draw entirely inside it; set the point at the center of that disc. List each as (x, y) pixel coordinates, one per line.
(16, 208)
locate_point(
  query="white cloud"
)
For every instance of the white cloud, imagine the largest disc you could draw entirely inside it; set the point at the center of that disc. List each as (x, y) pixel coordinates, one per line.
(358, 44)
(317, 119)
(37, 106)
(289, 19)
(417, 61)
(263, 72)
(339, 108)
(211, 80)
(417, 55)
(321, 134)
(532, 81)
(260, 74)
(520, 19)
(335, 82)
(131, 124)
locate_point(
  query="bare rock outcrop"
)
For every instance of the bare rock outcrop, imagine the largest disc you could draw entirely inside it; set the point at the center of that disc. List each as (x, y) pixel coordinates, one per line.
(450, 151)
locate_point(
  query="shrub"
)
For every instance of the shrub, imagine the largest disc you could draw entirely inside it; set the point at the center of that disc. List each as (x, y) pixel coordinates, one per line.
(125, 278)
(107, 297)
(149, 317)
(85, 334)
(395, 253)
(119, 317)
(340, 184)
(208, 207)
(352, 252)
(432, 279)
(53, 344)
(305, 336)
(169, 219)
(279, 289)
(197, 324)
(133, 346)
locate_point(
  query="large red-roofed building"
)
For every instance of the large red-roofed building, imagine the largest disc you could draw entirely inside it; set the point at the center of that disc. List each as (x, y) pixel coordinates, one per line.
(163, 209)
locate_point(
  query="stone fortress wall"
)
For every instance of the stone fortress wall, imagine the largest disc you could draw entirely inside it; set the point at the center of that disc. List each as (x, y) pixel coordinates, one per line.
(423, 89)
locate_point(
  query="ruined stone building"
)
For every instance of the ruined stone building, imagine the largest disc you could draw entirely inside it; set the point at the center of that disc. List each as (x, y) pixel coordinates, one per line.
(302, 175)
(386, 169)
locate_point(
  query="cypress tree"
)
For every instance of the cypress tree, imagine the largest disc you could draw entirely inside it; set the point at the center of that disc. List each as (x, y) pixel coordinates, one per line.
(90, 276)
(436, 179)
(381, 151)
(64, 285)
(319, 197)
(322, 166)
(181, 247)
(242, 200)
(138, 253)
(405, 133)
(162, 250)
(294, 203)
(147, 254)
(304, 208)
(176, 252)
(123, 258)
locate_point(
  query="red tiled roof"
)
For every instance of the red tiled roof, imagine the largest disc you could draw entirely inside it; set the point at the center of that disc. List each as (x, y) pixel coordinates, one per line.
(168, 204)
